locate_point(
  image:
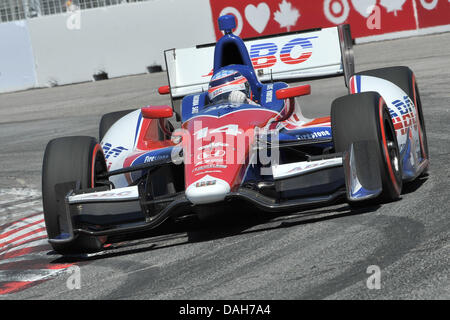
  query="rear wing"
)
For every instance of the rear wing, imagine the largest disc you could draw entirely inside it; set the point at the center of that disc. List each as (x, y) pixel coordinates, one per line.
(289, 56)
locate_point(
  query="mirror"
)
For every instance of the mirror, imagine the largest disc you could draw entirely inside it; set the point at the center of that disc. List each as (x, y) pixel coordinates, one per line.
(164, 90)
(293, 92)
(157, 112)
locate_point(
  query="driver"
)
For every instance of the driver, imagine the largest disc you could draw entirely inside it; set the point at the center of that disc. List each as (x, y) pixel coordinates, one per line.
(230, 86)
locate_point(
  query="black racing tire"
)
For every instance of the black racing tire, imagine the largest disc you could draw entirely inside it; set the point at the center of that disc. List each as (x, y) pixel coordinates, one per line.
(404, 78)
(109, 119)
(67, 159)
(365, 116)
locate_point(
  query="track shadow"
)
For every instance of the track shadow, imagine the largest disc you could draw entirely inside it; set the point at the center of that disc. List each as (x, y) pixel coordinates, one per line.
(260, 223)
(239, 223)
(412, 186)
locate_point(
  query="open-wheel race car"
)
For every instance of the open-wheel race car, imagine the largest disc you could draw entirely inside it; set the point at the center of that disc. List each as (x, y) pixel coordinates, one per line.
(242, 142)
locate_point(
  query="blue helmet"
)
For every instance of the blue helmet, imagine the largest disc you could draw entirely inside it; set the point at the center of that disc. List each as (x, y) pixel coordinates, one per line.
(226, 81)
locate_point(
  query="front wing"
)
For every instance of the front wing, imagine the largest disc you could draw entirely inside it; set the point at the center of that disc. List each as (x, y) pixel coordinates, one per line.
(106, 212)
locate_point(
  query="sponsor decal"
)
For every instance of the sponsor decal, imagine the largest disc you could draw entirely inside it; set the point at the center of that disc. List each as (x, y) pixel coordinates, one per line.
(269, 93)
(156, 158)
(205, 183)
(309, 166)
(213, 145)
(195, 104)
(403, 116)
(210, 156)
(311, 135)
(235, 87)
(292, 169)
(115, 194)
(101, 195)
(155, 155)
(210, 166)
(296, 51)
(109, 151)
(196, 100)
(206, 172)
(268, 54)
(316, 135)
(111, 195)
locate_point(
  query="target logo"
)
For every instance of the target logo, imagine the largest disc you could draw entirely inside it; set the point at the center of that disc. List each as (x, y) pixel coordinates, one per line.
(429, 5)
(336, 11)
(237, 15)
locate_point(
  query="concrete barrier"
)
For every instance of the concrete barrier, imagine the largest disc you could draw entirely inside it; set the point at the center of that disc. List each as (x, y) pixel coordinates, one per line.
(118, 40)
(16, 57)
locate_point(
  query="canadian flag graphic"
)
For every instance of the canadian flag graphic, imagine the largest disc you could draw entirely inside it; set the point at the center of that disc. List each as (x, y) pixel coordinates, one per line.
(393, 5)
(287, 15)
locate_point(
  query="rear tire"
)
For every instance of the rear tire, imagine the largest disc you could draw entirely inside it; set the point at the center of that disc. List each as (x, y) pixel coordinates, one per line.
(109, 119)
(404, 78)
(69, 159)
(365, 116)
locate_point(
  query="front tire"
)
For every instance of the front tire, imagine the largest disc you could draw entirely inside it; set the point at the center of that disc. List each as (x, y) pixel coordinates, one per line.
(362, 117)
(404, 78)
(70, 159)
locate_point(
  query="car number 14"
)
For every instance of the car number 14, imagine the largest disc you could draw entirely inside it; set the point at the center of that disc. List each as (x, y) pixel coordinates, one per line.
(231, 129)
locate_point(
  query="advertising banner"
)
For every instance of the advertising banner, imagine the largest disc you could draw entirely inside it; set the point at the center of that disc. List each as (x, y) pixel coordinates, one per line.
(366, 17)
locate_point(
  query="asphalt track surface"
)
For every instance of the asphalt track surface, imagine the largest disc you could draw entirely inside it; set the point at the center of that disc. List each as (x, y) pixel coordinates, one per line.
(322, 253)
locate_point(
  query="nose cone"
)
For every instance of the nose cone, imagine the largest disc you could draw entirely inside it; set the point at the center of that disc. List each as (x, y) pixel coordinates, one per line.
(207, 190)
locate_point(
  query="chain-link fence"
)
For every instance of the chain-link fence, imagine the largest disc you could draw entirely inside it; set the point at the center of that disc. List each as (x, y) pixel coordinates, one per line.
(11, 10)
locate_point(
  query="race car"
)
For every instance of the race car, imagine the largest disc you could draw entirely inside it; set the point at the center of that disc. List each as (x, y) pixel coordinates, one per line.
(242, 141)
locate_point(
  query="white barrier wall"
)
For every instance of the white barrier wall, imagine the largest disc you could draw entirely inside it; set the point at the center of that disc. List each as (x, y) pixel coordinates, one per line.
(16, 57)
(119, 40)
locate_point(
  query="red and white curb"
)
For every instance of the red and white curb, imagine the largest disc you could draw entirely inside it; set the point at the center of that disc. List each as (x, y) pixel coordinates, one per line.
(23, 243)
